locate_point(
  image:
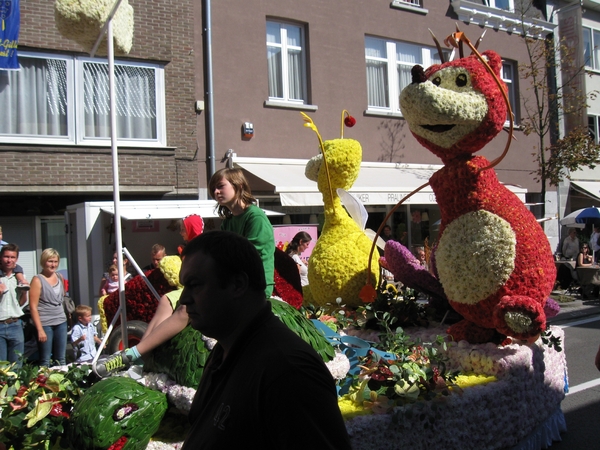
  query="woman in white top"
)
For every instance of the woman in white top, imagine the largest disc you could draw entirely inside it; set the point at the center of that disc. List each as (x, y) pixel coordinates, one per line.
(295, 248)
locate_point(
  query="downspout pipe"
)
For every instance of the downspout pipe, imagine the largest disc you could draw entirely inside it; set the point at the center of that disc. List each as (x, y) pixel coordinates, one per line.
(208, 70)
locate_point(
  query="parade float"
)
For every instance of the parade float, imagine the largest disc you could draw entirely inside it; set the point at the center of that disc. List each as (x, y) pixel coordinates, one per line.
(494, 379)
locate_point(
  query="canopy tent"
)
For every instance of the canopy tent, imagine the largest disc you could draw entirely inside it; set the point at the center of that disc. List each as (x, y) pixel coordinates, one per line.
(590, 188)
(377, 183)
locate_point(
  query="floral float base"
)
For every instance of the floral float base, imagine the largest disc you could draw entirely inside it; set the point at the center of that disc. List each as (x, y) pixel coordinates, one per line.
(519, 410)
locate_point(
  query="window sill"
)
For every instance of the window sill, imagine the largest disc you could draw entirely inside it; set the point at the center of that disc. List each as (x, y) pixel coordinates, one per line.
(381, 113)
(397, 4)
(290, 105)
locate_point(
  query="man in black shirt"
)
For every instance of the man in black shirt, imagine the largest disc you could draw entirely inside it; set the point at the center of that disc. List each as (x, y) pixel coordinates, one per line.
(263, 386)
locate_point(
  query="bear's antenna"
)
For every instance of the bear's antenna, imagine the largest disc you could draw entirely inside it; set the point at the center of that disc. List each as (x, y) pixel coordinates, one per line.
(480, 39)
(439, 47)
(461, 52)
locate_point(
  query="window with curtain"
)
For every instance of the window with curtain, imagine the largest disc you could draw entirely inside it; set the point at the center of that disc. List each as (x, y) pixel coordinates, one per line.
(593, 127)
(286, 62)
(509, 76)
(388, 70)
(591, 48)
(59, 98)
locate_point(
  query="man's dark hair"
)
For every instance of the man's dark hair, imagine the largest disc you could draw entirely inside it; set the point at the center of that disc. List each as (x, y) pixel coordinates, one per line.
(233, 254)
(9, 248)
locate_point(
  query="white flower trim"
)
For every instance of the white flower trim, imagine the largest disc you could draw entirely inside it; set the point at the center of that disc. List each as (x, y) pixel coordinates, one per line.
(475, 256)
(82, 21)
(312, 167)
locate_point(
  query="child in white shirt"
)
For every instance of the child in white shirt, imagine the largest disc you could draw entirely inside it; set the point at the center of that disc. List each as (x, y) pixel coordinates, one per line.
(84, 336)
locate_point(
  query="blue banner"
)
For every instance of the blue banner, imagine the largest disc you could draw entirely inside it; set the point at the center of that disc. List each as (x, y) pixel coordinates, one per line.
(10, 21)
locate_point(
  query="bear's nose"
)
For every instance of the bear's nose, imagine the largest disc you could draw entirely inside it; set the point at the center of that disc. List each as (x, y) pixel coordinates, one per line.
(418, 74)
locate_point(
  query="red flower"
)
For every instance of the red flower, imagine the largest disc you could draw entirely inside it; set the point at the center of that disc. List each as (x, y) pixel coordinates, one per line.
(119, 444)
(349, 121)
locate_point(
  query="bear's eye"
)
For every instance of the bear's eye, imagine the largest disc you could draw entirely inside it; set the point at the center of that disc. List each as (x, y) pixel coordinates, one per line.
(437, 81)
(461, 80)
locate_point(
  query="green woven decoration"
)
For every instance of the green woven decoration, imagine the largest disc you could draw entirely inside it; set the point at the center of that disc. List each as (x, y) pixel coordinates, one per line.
(182, 358)
(117, 412)
(303, 327)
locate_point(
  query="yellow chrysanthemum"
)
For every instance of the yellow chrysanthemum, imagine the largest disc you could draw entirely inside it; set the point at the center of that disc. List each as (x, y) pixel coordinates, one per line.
(473, 379)
(103, 321)
(349, 409)
(170, 266)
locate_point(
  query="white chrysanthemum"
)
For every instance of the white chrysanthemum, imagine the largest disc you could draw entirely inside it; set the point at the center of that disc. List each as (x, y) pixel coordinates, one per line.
(339, 366)
(82, 21)
(475, 256)
(312, 167)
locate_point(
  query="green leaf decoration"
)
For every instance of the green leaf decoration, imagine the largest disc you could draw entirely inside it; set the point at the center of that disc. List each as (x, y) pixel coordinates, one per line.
(182, 358)
(303, 327)
(92, 424)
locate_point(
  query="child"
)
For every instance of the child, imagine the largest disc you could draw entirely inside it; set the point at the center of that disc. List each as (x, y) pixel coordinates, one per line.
(112, 282)
(84, 335)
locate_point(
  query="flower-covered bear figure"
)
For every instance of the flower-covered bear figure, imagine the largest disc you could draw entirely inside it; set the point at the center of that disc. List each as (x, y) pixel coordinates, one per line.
(492, 258)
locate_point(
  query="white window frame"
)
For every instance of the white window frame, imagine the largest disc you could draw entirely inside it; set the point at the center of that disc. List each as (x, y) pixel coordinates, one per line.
(285, 48)
(511, 84)
(75, 110)
(427, 55)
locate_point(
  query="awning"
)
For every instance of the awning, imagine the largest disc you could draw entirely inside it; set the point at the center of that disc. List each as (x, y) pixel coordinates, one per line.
(377, 183)
(591, 188)
(167, 209)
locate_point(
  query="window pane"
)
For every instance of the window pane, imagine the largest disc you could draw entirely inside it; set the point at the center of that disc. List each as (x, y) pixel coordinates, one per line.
(135, 98)
(377, 84)
(274, 71)
(294, 38)
(592, 128)
(587, 46)
(502, 4)
(596, 58)
(34, 99)
(404, 76)
(410, 54)
(295, 71)
(375, 48)
(273, 33)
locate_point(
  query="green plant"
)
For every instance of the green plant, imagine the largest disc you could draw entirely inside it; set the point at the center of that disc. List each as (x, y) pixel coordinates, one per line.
(35, 403)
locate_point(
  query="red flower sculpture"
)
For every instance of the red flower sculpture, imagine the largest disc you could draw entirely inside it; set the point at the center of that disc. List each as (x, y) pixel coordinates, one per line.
(141, 303)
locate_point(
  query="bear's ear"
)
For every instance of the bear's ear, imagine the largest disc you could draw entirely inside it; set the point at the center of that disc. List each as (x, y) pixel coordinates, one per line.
(494, 61)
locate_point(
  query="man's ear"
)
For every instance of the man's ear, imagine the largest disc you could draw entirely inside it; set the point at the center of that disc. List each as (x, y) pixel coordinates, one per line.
(240, 283)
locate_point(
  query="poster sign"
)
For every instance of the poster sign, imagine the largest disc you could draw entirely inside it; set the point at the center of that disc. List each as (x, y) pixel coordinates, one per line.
(285, 233)
(10, 20)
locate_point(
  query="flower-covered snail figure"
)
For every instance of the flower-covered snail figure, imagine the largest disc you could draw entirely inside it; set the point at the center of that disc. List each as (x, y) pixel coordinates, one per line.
(493, 259)
(338, 263)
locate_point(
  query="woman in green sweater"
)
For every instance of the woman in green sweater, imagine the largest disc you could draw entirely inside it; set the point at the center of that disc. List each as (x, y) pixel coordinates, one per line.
(237, 207)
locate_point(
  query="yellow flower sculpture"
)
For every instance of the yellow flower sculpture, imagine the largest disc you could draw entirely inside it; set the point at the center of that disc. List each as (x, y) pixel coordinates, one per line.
(339, 261)
(170, 267)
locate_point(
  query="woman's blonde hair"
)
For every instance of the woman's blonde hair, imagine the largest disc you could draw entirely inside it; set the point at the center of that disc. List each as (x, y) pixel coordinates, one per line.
(47, 254)
(240, 185)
